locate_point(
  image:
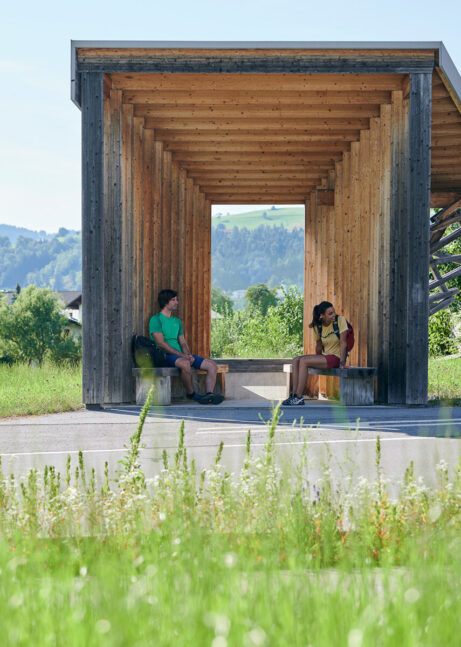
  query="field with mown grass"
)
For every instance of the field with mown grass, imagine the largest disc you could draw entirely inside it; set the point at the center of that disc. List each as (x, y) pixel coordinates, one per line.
(259, 558)
(31, 390)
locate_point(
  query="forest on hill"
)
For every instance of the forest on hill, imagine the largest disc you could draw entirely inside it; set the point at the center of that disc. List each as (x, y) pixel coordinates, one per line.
(240, 257)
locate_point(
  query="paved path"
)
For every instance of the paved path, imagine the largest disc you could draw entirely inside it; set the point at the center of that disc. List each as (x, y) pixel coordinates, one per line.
(345, 437)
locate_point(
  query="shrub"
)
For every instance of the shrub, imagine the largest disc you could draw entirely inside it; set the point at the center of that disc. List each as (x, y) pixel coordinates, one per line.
(33, 328)
(441, 337)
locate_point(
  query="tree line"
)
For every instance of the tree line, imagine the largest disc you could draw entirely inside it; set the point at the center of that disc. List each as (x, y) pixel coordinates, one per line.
(240, 257)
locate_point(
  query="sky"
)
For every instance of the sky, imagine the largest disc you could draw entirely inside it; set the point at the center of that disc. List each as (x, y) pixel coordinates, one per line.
(40, 153)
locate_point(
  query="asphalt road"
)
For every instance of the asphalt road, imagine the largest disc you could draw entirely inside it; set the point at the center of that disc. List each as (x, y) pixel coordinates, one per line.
(343, 438)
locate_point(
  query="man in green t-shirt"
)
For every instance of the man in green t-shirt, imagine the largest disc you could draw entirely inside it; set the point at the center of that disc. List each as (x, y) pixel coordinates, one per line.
(166, 330)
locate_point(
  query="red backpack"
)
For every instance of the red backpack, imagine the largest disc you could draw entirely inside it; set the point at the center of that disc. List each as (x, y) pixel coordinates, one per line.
(350, 339)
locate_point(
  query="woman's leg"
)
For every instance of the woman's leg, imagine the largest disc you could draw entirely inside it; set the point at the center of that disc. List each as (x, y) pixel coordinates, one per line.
(305, 362)
(294, 373)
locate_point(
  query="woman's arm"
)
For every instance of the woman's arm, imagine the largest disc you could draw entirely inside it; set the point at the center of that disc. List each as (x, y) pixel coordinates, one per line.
(343, 349)
(318, 347)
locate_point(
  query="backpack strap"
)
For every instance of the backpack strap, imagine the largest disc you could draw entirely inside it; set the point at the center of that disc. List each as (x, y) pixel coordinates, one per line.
(336, 327)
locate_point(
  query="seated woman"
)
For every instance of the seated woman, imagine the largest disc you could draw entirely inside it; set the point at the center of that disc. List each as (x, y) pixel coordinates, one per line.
(331, 352)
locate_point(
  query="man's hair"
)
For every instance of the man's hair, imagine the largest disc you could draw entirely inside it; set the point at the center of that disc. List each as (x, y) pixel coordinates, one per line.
(165, 296)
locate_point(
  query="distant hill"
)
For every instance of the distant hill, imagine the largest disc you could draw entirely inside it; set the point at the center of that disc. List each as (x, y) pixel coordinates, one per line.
(288, 217)
(13, 233)
(269, 244)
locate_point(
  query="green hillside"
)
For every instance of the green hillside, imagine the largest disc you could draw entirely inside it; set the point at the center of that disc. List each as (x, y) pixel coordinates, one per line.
(288, 217)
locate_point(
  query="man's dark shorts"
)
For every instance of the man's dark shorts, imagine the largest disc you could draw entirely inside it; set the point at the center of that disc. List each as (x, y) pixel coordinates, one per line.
(170, 360)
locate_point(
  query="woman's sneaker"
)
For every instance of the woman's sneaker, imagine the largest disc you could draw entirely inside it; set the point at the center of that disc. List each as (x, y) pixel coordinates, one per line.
(292, 401)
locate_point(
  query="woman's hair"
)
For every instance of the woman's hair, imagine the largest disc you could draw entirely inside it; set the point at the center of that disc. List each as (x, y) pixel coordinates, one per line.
(165, 296)
(319, 310)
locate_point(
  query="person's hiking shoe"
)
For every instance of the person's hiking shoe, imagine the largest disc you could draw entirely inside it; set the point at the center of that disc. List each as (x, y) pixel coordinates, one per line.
(206, 399)
(211, 398)
(217, 398)
(293, 401)
(194, 396)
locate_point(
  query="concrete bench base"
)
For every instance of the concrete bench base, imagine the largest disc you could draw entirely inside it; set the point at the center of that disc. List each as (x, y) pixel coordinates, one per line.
(168, 384)
(356, 383)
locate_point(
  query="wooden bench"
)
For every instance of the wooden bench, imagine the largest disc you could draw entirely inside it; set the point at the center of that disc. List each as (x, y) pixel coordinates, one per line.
(356, 383)
(166, 387)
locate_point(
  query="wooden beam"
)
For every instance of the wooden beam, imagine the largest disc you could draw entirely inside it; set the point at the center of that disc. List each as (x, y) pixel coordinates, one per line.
(254, 147)
(443, 199)
(255, 157)
(259, 112)
(92, 238)
(325, 198)
(172, 135)
(308, 125)
(419, 139)
(291, 97)
(272, 82)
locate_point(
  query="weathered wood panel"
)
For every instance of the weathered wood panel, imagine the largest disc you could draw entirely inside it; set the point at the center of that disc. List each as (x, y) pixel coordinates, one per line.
(137, 217)
(92, 99)
(114, 346)
(418, 237)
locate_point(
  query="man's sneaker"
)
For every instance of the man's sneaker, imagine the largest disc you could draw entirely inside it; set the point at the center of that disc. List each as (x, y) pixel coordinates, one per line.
(217, 398)
(293, 401)
(194, 396)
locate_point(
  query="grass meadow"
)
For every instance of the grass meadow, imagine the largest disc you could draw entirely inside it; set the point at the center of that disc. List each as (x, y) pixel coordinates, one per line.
(31, 390)
(259, 558)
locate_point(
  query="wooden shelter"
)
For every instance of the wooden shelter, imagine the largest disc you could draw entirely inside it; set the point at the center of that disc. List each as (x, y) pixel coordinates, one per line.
(365, 135)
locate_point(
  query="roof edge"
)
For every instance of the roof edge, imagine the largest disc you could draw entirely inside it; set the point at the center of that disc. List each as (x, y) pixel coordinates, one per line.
(448, 70)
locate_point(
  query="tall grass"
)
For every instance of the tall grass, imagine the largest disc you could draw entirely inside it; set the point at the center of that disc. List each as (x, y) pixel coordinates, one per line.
(262, 557)
(445, 378)
(27, 390)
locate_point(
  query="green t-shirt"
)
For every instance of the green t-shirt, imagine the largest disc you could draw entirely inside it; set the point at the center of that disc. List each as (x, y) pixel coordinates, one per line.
(170, 327)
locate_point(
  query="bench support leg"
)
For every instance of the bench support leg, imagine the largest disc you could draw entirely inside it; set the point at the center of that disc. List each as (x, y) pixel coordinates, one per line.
(357, 391)
(162, 392)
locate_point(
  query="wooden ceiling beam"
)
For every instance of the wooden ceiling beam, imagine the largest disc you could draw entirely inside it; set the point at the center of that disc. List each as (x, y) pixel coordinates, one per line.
(257, 183)
(261, 98)
(258, 165)
(256, 198)
(307, 126)
(252, 136)
(249, 147)
(443, 199)
(275, 83)
(243, 112)
(256, 157)
(253, 175)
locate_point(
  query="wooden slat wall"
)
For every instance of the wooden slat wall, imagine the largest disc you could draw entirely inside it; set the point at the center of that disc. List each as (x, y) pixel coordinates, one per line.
(351, 267)
(375, 255)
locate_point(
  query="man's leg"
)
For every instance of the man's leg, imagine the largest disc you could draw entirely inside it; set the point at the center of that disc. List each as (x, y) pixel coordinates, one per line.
(186, 375)
(211, 371)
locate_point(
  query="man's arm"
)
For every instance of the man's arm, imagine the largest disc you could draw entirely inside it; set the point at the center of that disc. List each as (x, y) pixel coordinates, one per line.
(185, 348)
(161, 343)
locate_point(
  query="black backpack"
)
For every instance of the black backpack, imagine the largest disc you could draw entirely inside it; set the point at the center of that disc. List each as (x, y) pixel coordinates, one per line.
(146, 354)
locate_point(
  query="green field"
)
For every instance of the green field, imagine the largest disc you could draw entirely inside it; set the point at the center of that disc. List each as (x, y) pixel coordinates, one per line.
(289, 217)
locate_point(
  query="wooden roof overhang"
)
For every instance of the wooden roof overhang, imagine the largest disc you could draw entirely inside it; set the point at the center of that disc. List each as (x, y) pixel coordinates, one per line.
(266, 122)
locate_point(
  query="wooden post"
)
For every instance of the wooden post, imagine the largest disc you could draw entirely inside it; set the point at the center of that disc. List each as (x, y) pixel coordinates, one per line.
(418, 237)
(92, 100)
(409, 249)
